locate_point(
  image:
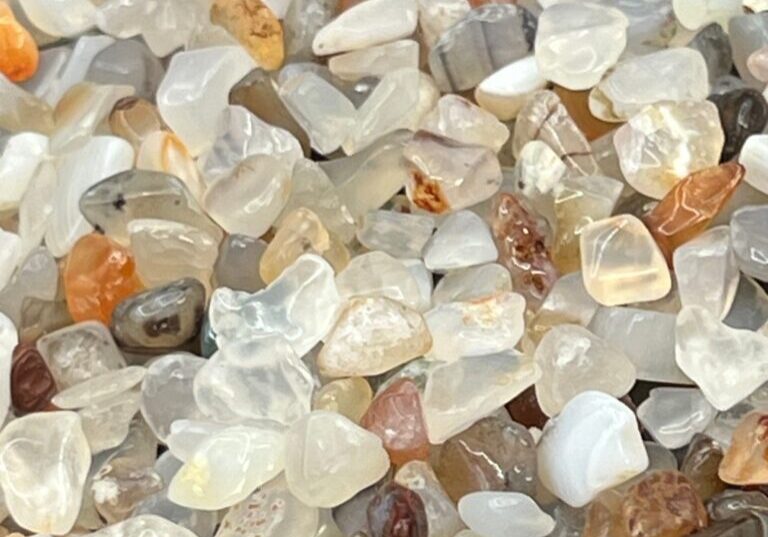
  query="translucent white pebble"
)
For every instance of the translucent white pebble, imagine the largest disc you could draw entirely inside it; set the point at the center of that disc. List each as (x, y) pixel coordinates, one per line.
(461, 240)
(100, 388)
(503, 514)
(144, 526)
(60, 18)
(504, 92)
(674, 415)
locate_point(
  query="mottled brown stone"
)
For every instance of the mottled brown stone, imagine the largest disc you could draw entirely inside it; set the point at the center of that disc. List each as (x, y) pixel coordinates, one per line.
(32, 384)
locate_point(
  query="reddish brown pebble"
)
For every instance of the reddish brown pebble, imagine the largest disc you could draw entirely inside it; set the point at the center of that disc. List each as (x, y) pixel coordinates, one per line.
(525, 409)
(396, 511)
(32, 384)
(577, 104)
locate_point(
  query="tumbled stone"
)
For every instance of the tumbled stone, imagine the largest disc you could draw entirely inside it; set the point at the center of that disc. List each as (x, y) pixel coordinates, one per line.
(40, 317)
(744, 461)
(329, 459)
(577, 43)
(99, 388)
(350, 397)
(621, 263)
(17, 103)
(752, 157)
(32, 384)
(726, 363)
(127, 62)
(667, 141)
(461, 240)
(21, 157)
(401, 235)
(706, 271)
(395, 416)
(255, 27)
(472, 283)
(58, 18)
(757, 63)
(238, 251)
(440, 180)
(459, 393)
(396, 510)
(693, 15)
(747, 34)
(458, 119)
(376, 60)
(37, 276)
(163, 151)
(577, 103)
(525, 410)
(18, 49)
(145, 525)
(713, 43)
(700, 466)
(435, 17)
(484, 40)
(442, 518)
(378, 274)
(495, 514)
(743, 112)
(505, 91)
(372, 336)
(616, 454)
(747, 240)
(674, 415)
(44, 459)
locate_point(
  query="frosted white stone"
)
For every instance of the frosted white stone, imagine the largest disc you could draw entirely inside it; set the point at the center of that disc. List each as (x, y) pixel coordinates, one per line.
(106, 424)
(457, 118)
(472, 283)
(748, 240)
(378, 274)
(600, 436)
(461, 240)
(187, 435)
(20, 158)
(144, 526)
(400, 235)
(375, 61)
(674, 415)
(60, 18)
(501, 514)
(693, 14)
(754, 158)
(98, 389)
(504, 92)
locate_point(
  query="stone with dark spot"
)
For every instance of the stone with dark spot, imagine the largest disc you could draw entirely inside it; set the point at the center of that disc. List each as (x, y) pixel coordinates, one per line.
(32, 384)
(396, 511)
(743, 112)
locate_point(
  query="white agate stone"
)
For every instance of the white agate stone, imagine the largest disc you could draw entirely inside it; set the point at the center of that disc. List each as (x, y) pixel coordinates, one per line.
(504, 92)
(375, 61)
(576, 43)
(401, 235)
(44, 461)
(9, 338)
(621, 263)
(99, 158)
(372, 336)
(195, 92)
(676, 74)
(366, 24)
(260, 379)
(706, 271)
(674, 415)
(144, 526)
(227, 467)
(300, 305)
(329, 459)
(482, 326)
(572, 361)
(459, 393)
(461, 240)
(694, 14)
(472, 283)
(98, 389)
(749, 241)
(501, 514)
(726, 363)
(593, 445)
(60, 18)
(10, 255)
(20, 158)
(378, 274)
(457, 118)
(754, 158)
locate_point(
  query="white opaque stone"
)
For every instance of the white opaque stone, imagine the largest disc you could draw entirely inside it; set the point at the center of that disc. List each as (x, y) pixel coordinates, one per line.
(9, 338)
(472, 283)
(706, 271)
(482, 326)
(44, 461)
(378, 274)
(601, 439)
(674, 415)
(144, 526)
(504, 92)
(400, 235)
(375, 61)
(98, 389)
(461, 240)
(329, 459)
(576, 43)
(60, 18)
(260, 379)
(456, 118)
(195, 91)
(366, 24)
(227, 467)
(20, 158)
(301, 305)
(754, 158)
(459, 393)
(572, 361)
(748, 240)
(694, 14)
(726, 363)
(621, 263)
(502, 514)
(10, 255)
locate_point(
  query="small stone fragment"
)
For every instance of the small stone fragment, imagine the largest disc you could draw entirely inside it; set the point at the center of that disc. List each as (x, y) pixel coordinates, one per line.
(700, 466)
(757, 63)
(144, 525)
(100, 388)
(255, 27)
(713, 43)
(350, 397)
(163, 151)
(375, 61)
(396, 510)
(693, 15)
(748, 242)
(472, 283)
(743, 112)
(378, 274)
(32, 384)
(674, 415)
(442, 518)
(400, 235)
(744, 461)
(456, 118)
(59, 18)
(18, 51)
(128, 62)
(238, 251)
(747, 34)
(496, 514)
(505, 91)
(752, 157)
(461, 240)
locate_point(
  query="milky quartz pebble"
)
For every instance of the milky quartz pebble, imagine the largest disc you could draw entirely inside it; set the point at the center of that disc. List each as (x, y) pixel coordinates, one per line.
(228, 466)
(461, 240)
(472, 283)
(372, 336)
(504, 92)
(329, 459)
(99, 388)
(706, 271)
(301, 305)
(482, 326)
(676, 74)
(376, 60)
(166, 392)
(748, 240)
(60, 18)
(37, 276)
(500, 514)
(753, 156)
(8, 340)
(400, 235)
(187, 434)
(459, 393)
(10, 255)
(457, 118)
(674, 415)
(436, 16)
(424, 280)
(603, 443)
(667, 141)
(20, 110)
(577, 43)
(144, 525)
(368, 23)
(44, 460)
(378, 274)
(726, 363)
(189, 100)
(621, 263)
(572, 361)
(106, 424)
(693, 14)
(20, 157)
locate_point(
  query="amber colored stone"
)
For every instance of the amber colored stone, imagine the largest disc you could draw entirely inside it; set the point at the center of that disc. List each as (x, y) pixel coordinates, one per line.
(32, 384)
(700, 465)
(601, 519)
(493, 454)
(134, 119)
(522, 243)
(19, 56)
(691, 205)
(346, 4)
(255, 26)
(577, 104)
(40, 317)
(745, 461)
(395, 416)
(396, 511)
(525, 409)
(98, 275)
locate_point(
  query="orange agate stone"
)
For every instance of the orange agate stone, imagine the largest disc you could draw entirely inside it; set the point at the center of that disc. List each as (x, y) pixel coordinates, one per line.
(18, 51)
(745, 461)
(98, 275)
